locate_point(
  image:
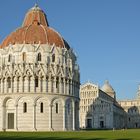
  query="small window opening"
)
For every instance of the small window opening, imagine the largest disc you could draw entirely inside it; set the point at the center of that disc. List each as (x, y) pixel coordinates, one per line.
(24, 56)
(39, 57)
(9, 58)
(56, 105)
(53, 58)
(41, 108)
(9, 82)
(25, 107)
(36, 82)
(57, 83)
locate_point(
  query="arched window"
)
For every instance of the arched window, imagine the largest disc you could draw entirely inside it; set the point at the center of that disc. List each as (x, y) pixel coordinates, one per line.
(9, 58)
(39, 57)
(68, 108)
(9, 82)
(56, 108)
(36, 82)
(25, 107)
(53, 58)
(41, 108)
(24, 56)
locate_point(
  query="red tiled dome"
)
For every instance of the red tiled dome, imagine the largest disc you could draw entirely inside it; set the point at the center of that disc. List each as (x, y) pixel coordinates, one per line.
(35, 30)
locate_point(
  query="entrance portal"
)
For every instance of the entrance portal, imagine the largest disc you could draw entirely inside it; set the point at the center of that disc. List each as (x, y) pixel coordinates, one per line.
(10, 120)
(89, 123)
(101, 124)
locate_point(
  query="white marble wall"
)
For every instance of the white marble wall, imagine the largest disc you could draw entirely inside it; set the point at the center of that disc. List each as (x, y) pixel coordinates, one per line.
(57, 82)
(33, 119)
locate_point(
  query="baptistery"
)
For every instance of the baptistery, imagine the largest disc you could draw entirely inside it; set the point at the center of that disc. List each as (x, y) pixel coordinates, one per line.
(39, 78)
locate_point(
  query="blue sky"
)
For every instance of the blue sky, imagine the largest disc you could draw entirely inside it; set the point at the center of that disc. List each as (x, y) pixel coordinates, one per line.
(105, 35)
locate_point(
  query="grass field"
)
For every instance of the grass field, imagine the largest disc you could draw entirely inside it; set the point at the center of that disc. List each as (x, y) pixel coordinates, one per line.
(78, 135)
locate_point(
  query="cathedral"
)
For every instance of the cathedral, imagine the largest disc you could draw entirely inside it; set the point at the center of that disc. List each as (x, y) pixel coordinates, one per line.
(39, 78)
(99, 108)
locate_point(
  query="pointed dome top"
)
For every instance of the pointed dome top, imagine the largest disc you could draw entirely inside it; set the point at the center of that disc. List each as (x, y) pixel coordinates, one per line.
(107, 88)
(36, 7)
(35, 15)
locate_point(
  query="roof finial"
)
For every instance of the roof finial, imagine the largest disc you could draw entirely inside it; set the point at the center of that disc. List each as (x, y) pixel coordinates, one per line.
(36, 5)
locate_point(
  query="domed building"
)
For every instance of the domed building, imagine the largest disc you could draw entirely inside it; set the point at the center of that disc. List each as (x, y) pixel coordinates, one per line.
(39, 78)
(99, 108)
(107, 88)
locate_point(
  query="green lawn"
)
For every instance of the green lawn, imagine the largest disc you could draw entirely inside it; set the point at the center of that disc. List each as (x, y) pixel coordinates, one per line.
(78, 135)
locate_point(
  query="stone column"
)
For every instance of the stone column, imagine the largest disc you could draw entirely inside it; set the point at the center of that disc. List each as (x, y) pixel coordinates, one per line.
(77, 89)
(6, 89)
(68, 87)
(64, 117)
(44, 84)
(73, 106)
(2, 85)
(15, 85)
(34, 117)
(60, 86)
(22, 81)
(71, 87)
(16, 117)
(3, 118)
(32, 85)
(39, 84)
(12, 85)
(20, 84)
(64, 84)
(50, 85)
(74, 88)
(54, 85)
(26, 84)
(29, 84)
(50, 117)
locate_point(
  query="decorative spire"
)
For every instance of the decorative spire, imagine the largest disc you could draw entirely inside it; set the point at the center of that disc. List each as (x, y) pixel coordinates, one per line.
(36, 7)
(35, 15)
